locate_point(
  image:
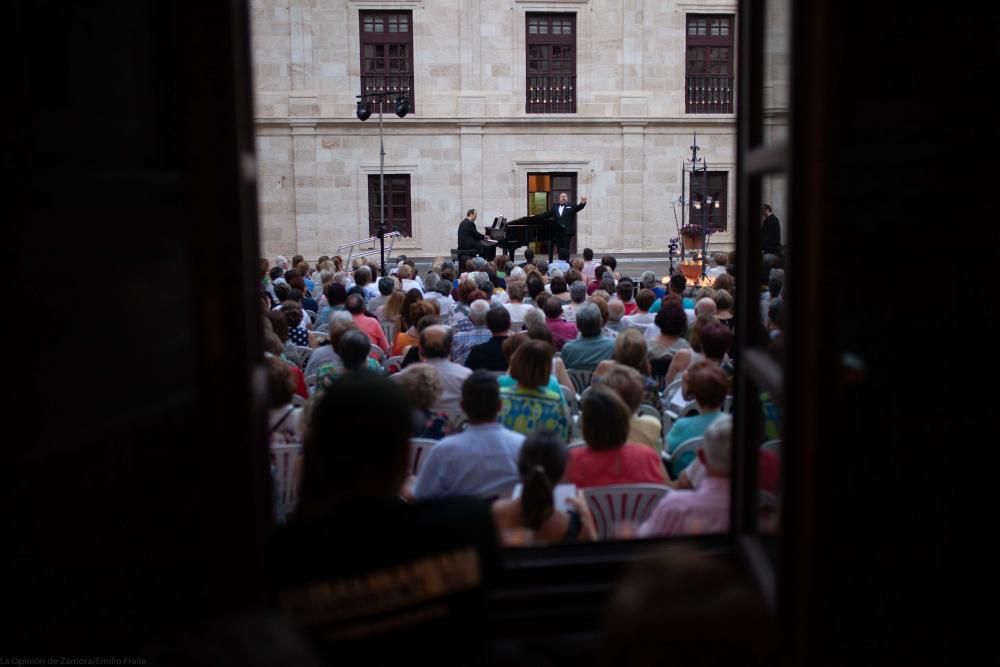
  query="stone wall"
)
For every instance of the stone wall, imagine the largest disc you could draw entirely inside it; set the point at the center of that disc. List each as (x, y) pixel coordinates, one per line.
(470, 143)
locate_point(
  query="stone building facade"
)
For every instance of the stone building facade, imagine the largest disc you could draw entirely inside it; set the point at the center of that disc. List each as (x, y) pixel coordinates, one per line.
(470, 141)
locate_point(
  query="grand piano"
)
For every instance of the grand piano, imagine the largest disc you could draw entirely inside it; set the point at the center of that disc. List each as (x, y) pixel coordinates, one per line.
(512, 234)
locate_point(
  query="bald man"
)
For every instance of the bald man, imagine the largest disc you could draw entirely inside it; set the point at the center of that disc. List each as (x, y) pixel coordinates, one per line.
(435, 350)
(704, 306)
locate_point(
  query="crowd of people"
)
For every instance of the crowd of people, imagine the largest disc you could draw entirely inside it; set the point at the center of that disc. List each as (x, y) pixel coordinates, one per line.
(512, 335)
(530, 377)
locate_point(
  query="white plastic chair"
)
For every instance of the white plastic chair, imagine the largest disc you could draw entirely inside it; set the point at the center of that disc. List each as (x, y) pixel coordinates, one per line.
(645, 409)
(690, 445)
(288, 468)
(379, 354)
(772, 446)
(298, 401)
(311, 382)
(304, 352)
(418, 453)
(615, 505)
(389, 329)
(581, 379)
(392, 362)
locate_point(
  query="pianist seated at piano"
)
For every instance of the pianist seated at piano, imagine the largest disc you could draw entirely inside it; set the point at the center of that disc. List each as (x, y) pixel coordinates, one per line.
(470, 239)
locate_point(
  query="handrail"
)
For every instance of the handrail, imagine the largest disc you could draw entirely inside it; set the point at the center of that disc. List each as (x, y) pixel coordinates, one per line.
(390, 240)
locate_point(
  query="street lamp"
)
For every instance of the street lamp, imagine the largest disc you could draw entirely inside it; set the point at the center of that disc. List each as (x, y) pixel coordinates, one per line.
(364, 112)
(700, 202)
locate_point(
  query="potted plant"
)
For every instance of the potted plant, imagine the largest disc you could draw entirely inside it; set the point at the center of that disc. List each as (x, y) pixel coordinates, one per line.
(691, 236)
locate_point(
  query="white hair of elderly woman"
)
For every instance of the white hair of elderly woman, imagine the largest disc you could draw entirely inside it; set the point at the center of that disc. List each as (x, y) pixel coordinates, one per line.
(719, 445)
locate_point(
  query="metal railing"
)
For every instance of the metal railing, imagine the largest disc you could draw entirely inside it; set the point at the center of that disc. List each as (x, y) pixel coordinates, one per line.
(551, 94)
(709, 94)
(350, 248)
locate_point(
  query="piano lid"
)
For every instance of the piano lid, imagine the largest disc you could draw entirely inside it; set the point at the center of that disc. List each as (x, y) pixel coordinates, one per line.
(536, 219)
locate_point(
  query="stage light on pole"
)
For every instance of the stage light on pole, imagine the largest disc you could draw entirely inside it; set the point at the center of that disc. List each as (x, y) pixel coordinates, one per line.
(402, 106)
(364, 110)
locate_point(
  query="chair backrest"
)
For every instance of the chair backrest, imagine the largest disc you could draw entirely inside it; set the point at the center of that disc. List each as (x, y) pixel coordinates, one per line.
(378, 353)
(418, 453)
(311, 382)
(298, 401)
(393, 364)
(772, 446)
(389, 329)
(581, 378)
(645, 409)
(690, 445)
(619, 504)
(304, 353)
(287, 460)
(659, 367)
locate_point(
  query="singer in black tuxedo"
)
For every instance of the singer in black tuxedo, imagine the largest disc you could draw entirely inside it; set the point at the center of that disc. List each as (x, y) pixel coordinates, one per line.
(564, 222)
(469, 238)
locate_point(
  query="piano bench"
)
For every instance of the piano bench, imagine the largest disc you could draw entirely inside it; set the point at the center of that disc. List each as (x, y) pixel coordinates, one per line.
(461, 256)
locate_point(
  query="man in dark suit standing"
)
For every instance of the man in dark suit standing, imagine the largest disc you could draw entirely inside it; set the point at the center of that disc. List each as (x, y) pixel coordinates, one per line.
(770, 232)
(469, 237)
(564, 222)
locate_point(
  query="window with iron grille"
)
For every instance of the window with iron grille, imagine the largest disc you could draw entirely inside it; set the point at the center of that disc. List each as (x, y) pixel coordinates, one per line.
(387, 55)
(716, 199)
(397, 204)
(709, 81)
(551, 63)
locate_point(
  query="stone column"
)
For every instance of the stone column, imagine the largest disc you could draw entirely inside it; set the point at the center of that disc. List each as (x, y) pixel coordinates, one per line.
(633, 185)
(306, 214)
(302, 101)
(472, 168)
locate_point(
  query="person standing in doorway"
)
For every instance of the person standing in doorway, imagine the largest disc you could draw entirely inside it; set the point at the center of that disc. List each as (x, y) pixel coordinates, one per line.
(564, 219)
(770, 232)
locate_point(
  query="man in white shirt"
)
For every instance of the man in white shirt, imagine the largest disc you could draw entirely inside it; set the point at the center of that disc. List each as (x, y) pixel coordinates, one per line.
(642, 319)
(435, 349)
(479, 461)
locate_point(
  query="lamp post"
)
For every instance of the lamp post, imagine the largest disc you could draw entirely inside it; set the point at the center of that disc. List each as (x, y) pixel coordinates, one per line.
(364, 112)
(704, 203)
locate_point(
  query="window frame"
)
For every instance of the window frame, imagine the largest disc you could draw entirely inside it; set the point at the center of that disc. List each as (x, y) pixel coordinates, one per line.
(549, 43)
(721, 104)
(695, 187)
(391, 221)
(387, 39)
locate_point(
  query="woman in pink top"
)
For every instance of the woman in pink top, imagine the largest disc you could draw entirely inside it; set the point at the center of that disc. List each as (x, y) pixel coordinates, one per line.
(608, 458)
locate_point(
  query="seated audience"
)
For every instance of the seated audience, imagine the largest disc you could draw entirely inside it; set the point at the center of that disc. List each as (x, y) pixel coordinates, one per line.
(350, 495)
(530, 405)
(562, 331)
(642, 319)
(369, 325)
(479, 461)
(489, 355)
(423, 388)
(386, 287)
(577, 297)
(627, 382)
(541, 465)
(624, 291)
(283, 417)
(468, 337)
(631, 351)
(435, 349)
(392, 308)
(704, 510)
(616, 313)
(710, 340)
(516, 291)
(409, 334)
(608, 457)
(412, 355)
(707, 386)
(591, 348)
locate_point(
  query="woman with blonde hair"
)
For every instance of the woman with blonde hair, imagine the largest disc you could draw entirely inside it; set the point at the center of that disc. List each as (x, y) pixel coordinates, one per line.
(631, 351)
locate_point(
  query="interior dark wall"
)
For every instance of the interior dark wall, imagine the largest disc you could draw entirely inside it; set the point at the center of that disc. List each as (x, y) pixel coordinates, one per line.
(137, 477)
(893, 129)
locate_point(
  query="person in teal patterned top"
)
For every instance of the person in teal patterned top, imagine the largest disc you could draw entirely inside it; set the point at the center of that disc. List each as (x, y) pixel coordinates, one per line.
(706, 384)
(531, 405)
